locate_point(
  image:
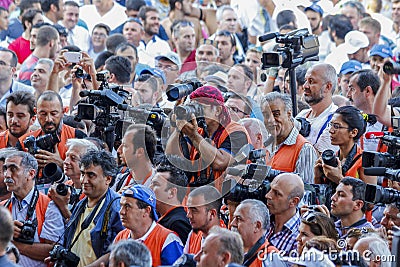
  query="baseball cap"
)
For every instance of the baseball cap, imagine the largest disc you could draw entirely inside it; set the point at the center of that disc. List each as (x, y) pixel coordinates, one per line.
(315, 8)
(383, 51)
(153, 71)
(171, 56)
(354, 41)
(350, 67)
(144, 194)
(311, 257)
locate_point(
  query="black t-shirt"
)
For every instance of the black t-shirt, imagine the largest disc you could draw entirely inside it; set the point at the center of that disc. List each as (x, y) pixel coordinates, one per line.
(176, 221)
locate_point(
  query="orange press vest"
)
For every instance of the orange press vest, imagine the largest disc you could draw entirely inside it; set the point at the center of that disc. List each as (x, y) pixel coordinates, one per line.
(262, 253)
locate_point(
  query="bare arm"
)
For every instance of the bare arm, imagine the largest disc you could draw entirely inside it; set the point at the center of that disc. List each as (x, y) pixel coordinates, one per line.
(103, 259)
(380, 107)
(60, 64)
(36, 251)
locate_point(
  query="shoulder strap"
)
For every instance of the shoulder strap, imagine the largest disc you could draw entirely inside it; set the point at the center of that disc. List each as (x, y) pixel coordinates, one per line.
(251, 255)
(323, 127)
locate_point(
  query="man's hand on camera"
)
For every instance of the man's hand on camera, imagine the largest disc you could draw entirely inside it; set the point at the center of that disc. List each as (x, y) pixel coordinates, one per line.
(190, 129)
(17, 228)
(59, 200)
(60, 63)
(44, 157)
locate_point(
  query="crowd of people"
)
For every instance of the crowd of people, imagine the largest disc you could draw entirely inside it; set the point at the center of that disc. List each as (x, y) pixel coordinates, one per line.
(226, 169)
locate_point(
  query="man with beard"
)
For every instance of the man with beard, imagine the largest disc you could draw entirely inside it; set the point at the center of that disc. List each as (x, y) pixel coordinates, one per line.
(50, 113)
(321, 83)
(151, 45)
(20, 116)
(47, 46)
(314, 15)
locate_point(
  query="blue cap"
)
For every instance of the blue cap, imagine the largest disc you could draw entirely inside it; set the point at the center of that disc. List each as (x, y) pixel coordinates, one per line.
(144, 194)
(153, 71)
(350, 67)
(315, 8)
(383, 51)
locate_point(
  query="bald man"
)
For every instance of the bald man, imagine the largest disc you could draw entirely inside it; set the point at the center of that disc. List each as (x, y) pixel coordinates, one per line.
(287, 189)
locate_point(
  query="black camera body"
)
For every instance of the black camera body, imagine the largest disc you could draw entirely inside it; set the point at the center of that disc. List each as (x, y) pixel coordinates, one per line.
(62, 257)
(379, 195)
(45, 142)
(28, 231)
(391, 67)
(300, 47)
(329, 158)
(184, 112)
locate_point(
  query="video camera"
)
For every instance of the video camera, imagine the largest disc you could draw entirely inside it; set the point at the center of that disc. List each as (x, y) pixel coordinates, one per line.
(54, 174)
(177, 91)
(45, 142)
(62, 257)
(379, 195)
(299, 47)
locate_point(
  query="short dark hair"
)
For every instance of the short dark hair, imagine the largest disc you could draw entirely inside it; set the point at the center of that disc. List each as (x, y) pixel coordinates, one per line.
(100, 158)
(101, 59)
(50, 96)
(71, 3)
(177, 177)
(45, 35)
(103, 26)
(23, 98)
(212, 197)
(341, 25)
(26, 4)
(122, 47)
(121, 67)
(46, 5)
(29, 15)
(142, 205)
(227, 33)
(113, 41)
(145, 137)
(14, 58)
(41, 24)
(148, 78)
(358, 188)
(173, 2)
(143, 11)
(367, 78)
(285, 17)
(71, 48)
(134, 4)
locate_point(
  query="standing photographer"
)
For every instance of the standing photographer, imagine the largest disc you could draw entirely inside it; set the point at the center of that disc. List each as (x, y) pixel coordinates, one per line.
(211, 147)
(37, 222)
(50, 113)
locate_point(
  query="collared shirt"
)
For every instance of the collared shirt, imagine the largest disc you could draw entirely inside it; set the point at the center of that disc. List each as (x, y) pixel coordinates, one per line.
(361, 224)
(306, 159)
(147, 52)
(15, 86)
(78, 36)
(53, 225)
(285, 240)
(324, 140)
(261, 23)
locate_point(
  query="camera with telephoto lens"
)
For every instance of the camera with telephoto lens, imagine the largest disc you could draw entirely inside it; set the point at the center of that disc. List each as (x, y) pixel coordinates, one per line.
(45, 142)
(329, 158)
(177, 91)
(259, 176)
(28, 230)
(62, 257)
(185, 112)
(391, 67)
(53, 174)
(377, 194)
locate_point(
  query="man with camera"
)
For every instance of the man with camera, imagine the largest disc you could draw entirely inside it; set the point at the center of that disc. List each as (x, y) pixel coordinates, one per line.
(209, 137)
(348, 204)
(293, 153)
(95, 221)
(20, 116)
(37, 221)
(76, 149)
(52, 133)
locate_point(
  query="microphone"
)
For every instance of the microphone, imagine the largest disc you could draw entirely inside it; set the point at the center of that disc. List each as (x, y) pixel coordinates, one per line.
(374, 135)
(267, 36)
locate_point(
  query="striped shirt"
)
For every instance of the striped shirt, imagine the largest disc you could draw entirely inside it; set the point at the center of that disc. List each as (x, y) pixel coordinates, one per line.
(285, 240)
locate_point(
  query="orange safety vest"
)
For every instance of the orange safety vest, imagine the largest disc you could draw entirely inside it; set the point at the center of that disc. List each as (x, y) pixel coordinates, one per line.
(286, 157)
(41, 207)
(230, 128)
(67, 132)
(4, 139)
(356, 168)
(154, 241)
(258, 262)
(195, 240)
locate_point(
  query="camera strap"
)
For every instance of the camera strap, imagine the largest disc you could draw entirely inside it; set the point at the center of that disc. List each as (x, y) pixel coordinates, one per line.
(88, 220)
(323, 127)
(104, 225)
(350, 159)
(32, 204)
(251, 255)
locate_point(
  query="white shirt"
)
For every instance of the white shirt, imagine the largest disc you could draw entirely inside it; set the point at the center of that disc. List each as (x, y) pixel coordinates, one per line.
(113, 18)
(78, 36)
(147, 52)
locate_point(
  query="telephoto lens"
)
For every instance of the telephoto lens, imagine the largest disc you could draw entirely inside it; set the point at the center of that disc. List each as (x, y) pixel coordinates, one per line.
(329, 158)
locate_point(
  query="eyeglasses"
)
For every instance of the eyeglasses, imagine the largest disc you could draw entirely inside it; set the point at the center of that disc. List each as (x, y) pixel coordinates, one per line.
(2, 63)
(337, 126)
(166, 67)
(236, 110)
(102, 35)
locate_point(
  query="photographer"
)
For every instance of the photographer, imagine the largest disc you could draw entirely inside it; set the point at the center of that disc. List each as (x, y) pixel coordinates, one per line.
(120, 69)
(346, 128)
(76, 148)
(50, 113)
(227, 137)
(90, 240)
(37, 221)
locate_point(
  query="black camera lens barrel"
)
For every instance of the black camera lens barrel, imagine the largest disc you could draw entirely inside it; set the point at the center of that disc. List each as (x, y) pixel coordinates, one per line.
(329, 158)
(391, 67)
(53, 172)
